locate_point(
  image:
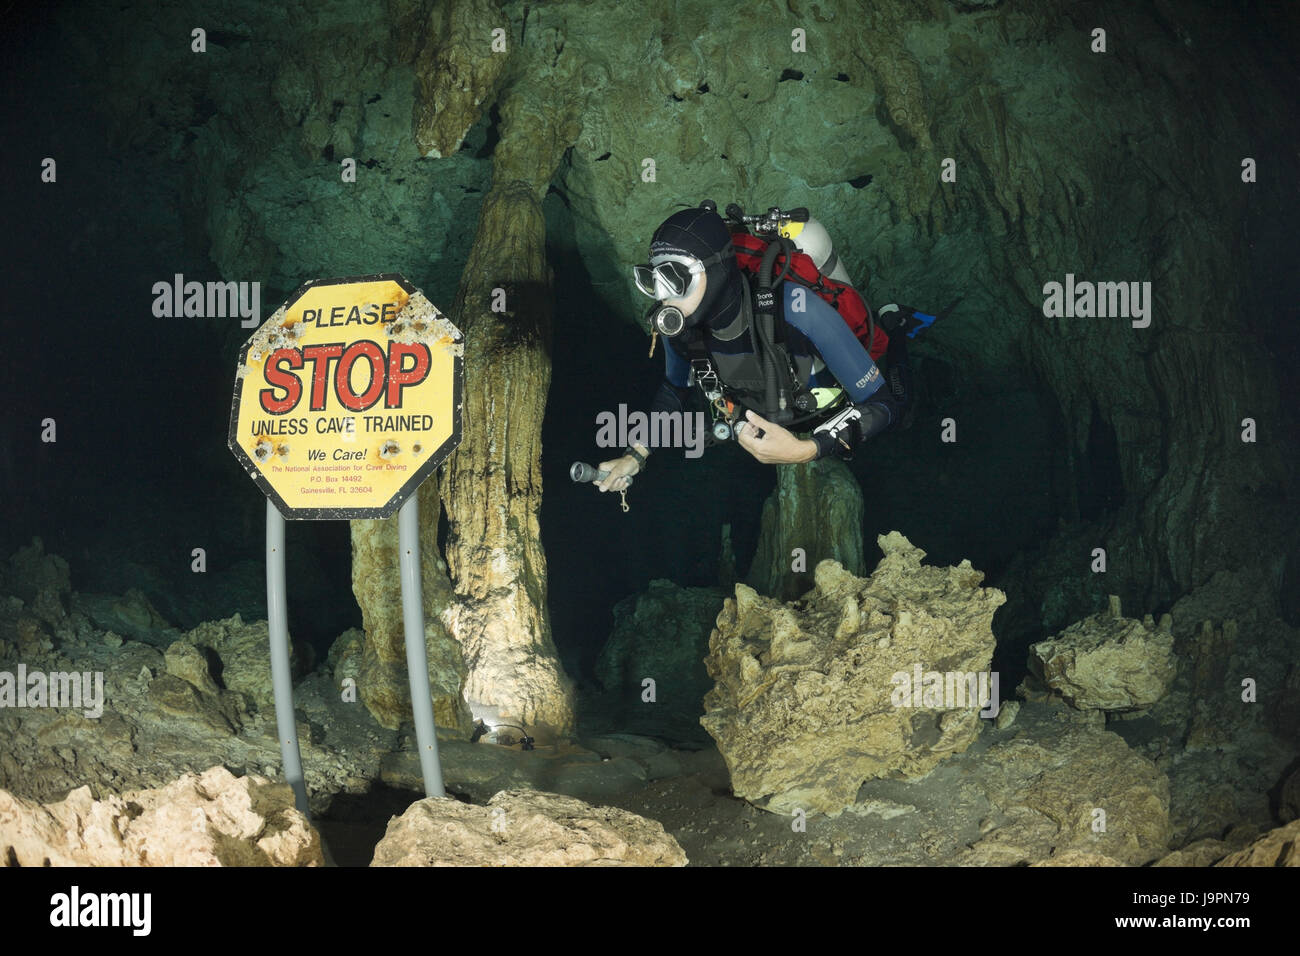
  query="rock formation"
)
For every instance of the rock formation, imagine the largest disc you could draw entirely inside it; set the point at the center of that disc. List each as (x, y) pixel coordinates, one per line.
(42, 584)
(1288, 801)
(1078, 858)
(378, 663)
(208, 819)
(1108, 662)
(457, 71)
(1208, 851)
(493, 486)
(241, 654)
(623, 113)
(524, 828)
(1226, 732)
(817, 509)
(1072, 788)
(1275, 848)
(815, 697)
(662, 635)
(138, 716)
(603, 116)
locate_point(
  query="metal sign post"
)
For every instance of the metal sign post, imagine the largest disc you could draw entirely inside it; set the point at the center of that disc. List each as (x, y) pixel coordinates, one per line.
(277, 622)
(417, 658)
(346, 399)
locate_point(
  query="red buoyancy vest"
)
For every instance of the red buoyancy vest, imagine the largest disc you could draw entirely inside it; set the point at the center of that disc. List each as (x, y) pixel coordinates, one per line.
(845, 299)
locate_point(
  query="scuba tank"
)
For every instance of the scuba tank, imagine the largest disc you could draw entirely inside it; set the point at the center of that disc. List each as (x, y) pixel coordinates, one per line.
(811, 238)
(808, 235)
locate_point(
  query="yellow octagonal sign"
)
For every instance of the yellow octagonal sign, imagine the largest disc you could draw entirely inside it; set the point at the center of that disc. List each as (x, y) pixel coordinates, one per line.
(348, 397)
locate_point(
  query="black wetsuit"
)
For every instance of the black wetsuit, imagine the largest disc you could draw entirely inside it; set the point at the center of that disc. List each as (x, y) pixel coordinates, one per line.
(824, 351)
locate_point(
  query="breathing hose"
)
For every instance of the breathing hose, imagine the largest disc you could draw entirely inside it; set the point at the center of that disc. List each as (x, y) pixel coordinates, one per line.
(774, 397)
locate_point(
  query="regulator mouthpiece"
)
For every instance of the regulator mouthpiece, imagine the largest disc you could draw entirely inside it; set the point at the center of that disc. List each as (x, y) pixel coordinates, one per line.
(669, 320)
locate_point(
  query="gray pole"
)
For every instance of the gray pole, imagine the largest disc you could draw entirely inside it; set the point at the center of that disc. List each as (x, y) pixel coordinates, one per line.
(417, 663)
(277, 621)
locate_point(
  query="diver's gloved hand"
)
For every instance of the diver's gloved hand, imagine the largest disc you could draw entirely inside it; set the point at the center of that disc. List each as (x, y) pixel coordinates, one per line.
(855, 424)
(619, 469)
(894, 319)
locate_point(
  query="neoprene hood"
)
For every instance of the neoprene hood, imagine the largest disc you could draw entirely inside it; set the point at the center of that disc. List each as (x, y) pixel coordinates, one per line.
(700, 233)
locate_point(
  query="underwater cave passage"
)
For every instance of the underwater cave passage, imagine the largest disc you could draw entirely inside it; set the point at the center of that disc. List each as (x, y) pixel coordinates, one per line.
(1099, 478)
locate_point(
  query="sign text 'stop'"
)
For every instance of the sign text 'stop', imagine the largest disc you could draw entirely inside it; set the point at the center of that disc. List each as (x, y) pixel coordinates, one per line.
(348, 397)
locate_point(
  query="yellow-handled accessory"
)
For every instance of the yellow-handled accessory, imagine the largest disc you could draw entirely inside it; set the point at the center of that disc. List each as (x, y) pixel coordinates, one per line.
(826, 397)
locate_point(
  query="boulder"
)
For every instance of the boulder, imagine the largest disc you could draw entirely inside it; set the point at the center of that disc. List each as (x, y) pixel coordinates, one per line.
(42, 581)
(241, 653)
(1108, 662)
(815, 697)
(187, 662)
(208, 819)
(1274, 848)
(524, 828)
(1071, 787)
(1199, 853)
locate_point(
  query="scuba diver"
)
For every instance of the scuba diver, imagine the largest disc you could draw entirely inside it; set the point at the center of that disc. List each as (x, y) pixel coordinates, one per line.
(769, 353)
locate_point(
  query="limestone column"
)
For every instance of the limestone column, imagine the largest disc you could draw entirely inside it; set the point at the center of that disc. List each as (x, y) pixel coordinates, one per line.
(493, 487)
(381, 677)
(816, 507)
